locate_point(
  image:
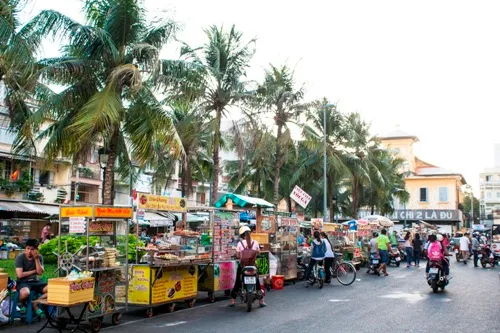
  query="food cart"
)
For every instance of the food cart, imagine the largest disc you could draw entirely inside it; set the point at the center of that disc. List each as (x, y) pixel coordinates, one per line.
(170, 274)
(286, 237)
(105, 255)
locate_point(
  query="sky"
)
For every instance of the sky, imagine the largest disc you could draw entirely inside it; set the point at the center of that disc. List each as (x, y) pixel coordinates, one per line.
(429, 68)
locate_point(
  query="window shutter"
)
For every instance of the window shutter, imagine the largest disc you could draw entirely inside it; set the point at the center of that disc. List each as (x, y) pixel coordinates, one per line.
(51, 178)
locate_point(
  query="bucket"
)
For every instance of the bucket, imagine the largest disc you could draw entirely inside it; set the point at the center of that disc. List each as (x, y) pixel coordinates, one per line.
(278, 282)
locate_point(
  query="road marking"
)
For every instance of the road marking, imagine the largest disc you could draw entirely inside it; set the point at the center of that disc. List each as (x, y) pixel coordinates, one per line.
(173, 324)
(446, 300)
(411, 298)
(358, 280)
(158, 316)
(339, 300)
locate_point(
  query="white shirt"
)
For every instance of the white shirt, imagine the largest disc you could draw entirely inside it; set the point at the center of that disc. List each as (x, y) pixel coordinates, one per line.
(329, 253)
(464, 243)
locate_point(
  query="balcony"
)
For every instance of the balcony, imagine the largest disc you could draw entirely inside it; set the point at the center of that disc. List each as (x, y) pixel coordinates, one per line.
(88, 172)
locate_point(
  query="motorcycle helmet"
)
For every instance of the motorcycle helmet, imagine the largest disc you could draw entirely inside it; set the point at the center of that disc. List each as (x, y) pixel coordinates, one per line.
(243, 230)
(439, 237)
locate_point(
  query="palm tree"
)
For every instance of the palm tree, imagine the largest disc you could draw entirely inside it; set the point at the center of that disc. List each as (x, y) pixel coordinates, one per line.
(277, 95)
(107, 70)
(223, 60)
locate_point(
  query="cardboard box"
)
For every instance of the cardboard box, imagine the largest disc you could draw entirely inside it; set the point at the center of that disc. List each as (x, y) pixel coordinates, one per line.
(4, 278)
(65, 292)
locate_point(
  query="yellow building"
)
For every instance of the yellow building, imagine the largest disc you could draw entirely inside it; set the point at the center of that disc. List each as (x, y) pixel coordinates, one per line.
(435, 193)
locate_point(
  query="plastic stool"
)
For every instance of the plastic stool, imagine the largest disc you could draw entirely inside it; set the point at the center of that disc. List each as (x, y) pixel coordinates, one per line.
(29, 316)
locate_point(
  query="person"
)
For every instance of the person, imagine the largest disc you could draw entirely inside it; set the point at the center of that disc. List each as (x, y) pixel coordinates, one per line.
(383, 246)
(29, 265)
(246, 243)
(300, 239)
(417, 249)
(437, 252)
(476, 246)
(45, 232)
(317, 254)
(394, 239)
(464, 247)
(329, 258)
(408, 249)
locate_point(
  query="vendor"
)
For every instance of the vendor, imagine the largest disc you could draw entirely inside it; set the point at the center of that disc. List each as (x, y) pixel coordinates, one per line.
(46, 232)
(29, 265)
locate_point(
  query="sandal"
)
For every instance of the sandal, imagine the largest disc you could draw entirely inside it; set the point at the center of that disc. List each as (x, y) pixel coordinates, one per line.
(40, 313)
(386, 274)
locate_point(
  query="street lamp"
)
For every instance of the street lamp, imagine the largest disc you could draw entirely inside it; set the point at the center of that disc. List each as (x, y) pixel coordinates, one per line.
(324, 158)
(103, 162)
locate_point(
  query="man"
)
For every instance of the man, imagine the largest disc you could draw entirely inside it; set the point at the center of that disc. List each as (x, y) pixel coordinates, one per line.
(464, 247)
(476, 246)
(384, 246)
(46, 232)
(394, 239)
(29, 265)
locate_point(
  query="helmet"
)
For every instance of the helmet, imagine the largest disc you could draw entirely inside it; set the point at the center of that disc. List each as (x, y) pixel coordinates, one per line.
(439, 237)
(243, 230)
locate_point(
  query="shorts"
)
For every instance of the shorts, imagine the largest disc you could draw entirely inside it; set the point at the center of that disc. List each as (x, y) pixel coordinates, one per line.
(384, 256)
(36, 286)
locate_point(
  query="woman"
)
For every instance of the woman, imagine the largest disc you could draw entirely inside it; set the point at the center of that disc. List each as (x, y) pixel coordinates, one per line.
(417, 249)
(329, 257)
(317, 254)
(409, 249)
(249, 246)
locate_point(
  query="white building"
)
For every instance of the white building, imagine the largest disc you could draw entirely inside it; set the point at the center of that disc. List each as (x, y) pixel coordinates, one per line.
(489, 187)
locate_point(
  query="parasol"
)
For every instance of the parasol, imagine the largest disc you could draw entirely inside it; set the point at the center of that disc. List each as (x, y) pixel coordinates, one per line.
(363, 222)
(380, 220)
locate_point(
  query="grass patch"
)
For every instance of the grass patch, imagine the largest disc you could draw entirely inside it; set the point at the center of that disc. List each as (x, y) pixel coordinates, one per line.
(9, 268)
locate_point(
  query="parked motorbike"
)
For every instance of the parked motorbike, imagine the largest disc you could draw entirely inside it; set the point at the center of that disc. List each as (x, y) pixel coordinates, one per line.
(303, 260)
(395, 258)
(248, 292)
(486, 256)
(436, 279)
(374, 265)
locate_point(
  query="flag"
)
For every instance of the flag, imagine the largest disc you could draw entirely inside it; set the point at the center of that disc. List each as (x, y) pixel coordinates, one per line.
(15, 175)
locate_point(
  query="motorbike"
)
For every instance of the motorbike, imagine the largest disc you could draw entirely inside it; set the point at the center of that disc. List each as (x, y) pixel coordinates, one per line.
(458, 255)
(303, 260)
(374, 265)
(486, 256)
(395, 258)
(436, 279)
(248, 292)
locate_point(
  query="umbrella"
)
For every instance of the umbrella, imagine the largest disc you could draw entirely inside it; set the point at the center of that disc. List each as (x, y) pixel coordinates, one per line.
(363, 222)
(380, 220)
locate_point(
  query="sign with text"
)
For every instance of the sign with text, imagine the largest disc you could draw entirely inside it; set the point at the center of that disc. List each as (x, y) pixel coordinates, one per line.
(113, 212)
(300, 196)
(158, 202)
(101, 228)
(76, 211)
(77, 225)
(422, 214)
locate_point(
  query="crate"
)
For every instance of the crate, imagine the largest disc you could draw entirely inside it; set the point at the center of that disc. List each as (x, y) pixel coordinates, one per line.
(4, 278)
(66, 292)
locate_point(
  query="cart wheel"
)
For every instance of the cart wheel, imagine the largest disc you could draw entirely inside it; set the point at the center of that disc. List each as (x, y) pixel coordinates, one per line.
(149, 312)
(170, 307)
(211, 297)
(190, 303)
(227, 293)
(95, 325)
(116, 318)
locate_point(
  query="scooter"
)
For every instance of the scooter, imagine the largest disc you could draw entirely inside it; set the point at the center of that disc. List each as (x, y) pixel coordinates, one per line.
(248, 292)
(436, 278)
(395, 258)
(374, 265)
(486, 256)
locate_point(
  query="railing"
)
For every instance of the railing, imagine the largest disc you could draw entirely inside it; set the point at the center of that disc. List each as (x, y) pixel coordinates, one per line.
(89, 172)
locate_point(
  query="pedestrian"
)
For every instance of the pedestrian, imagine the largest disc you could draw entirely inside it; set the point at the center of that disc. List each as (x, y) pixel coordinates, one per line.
(476, 246)
(464, 247)
(409, 249)
(329, 258)
(417, 249)
(45, 232)
(383, 246)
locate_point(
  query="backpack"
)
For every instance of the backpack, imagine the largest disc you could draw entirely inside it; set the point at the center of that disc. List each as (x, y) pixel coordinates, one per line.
(319, 251)
(248, 255)
(434, 252)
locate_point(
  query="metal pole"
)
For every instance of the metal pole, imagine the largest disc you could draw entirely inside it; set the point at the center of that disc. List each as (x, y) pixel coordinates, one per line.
(103, 183)
(404, 208)
(471, 209)
(324, 163)
(77, 183)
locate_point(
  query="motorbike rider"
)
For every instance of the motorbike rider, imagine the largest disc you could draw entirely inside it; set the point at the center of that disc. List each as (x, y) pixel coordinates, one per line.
(373, 248)
(317, 254)
(246, 242)
(476, 247)
(394, 240)
(435, 241)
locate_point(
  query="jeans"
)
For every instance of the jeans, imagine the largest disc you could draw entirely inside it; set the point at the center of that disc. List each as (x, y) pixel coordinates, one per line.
(409, 255)
(328, 273)
(417, 254)
(476, 258)
(237, 283)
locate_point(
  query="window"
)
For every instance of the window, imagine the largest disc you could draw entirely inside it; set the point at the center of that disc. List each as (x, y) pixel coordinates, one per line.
(443, 194)
(488, 195)
(498, 194)
(46, 178)
(488, 178)
(424, 194)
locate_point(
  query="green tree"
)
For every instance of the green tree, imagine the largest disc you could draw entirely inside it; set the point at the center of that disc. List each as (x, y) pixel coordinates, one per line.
(108, 71)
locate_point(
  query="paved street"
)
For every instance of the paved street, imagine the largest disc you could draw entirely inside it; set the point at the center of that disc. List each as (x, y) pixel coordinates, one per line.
(402, 301)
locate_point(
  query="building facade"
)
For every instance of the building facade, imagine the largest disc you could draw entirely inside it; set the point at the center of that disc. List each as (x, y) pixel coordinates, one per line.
(489, 191)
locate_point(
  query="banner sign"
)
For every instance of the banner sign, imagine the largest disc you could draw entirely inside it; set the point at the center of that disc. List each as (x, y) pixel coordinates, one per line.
(300, 196)
(162, 203)
(421, 214)
(114, 212)
(76, 211)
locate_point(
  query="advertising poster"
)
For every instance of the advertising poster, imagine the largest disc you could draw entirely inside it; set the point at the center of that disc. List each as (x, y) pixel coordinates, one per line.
(104, 300)
(175, 283)
(138, 292)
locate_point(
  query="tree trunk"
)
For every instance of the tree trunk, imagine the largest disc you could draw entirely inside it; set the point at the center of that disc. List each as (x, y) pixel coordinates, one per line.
(215, 180)
(277, 167)
(354, 197)
(289, 204)
(109, 179)
(372, 210)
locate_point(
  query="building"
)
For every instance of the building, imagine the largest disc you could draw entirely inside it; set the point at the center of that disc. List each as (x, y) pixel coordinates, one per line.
(435, 193)
(489, 191)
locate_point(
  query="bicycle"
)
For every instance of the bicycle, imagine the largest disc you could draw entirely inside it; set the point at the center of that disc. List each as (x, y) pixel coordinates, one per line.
(342, 270)
(318, 274)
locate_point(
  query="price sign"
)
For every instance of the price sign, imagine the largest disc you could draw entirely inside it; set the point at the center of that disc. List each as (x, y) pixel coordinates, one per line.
(77, 225)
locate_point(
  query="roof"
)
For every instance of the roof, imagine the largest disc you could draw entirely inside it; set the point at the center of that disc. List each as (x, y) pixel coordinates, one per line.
(243, 201)
(427, 169)
(27, 207)
(398, 134)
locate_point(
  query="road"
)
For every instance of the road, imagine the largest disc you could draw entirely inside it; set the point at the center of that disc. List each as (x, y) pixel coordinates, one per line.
(402, 301)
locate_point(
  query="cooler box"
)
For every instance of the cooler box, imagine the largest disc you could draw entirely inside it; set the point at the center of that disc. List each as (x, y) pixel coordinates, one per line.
(66, 292)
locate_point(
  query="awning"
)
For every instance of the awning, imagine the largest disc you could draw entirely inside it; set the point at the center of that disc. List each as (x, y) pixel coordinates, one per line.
(193, 218)
(157, 220)
(26, 207)
(243, 201)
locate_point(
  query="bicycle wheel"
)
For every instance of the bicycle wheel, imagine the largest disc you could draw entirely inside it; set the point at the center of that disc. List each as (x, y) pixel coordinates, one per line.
(346, 273)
